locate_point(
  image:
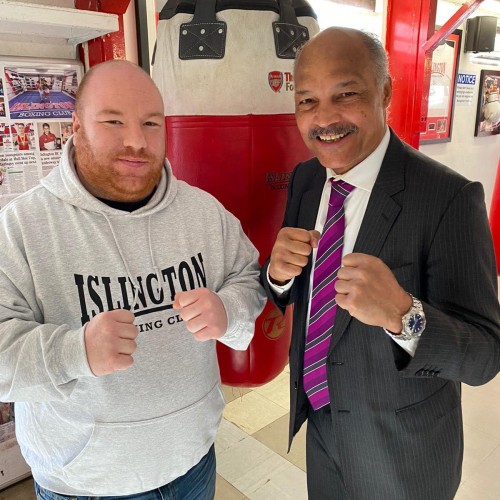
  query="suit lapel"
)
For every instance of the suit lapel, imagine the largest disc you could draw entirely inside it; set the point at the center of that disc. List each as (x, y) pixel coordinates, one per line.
(381, 213)
(310, 199)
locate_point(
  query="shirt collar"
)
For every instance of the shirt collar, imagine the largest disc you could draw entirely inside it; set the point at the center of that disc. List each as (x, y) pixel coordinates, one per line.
(364, 174)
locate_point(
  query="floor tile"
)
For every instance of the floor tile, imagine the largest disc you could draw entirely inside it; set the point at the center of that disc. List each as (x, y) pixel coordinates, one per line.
(478, 446)
(289, 483)
(275, 437)
(228, 435)
(270, 492)
(253, 412)
(232, 393)
(472, 490)
(269, 468)
(225, 491)
(278, 390)
(479, 409)
(301, 464)
(236, 461)
(250, 466)
(486, 475)
(20, 491)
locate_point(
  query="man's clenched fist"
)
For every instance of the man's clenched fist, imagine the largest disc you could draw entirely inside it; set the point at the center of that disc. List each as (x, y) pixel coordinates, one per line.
(203, 312)
(110, 341)
(290, 253)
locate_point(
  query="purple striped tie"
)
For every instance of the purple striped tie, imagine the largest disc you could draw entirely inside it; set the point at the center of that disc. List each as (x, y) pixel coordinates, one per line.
(323, 305)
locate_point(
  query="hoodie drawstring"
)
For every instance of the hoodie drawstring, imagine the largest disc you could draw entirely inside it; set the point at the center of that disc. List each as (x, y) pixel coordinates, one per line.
(160, 284)
(129, 274)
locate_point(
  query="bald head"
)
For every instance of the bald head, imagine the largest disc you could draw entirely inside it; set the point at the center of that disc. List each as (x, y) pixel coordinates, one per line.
(119, 132)
(115, 72)
(360, 44)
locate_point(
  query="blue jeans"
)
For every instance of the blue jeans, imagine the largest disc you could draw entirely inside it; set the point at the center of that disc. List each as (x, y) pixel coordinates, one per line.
(197, 484)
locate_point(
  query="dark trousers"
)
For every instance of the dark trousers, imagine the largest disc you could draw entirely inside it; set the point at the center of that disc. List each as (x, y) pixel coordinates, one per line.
(324, 476)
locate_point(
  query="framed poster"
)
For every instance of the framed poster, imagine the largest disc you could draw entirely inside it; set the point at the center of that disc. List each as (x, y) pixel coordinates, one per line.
(37, 99)
(488, 105)
(442, 90)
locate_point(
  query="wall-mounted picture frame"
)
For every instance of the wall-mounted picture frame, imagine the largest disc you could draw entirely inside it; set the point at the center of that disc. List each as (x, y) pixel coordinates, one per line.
(36, 94)
(488, 104)
(442, 90)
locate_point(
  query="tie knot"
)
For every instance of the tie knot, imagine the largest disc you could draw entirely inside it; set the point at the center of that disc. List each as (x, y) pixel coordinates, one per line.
(340, 190)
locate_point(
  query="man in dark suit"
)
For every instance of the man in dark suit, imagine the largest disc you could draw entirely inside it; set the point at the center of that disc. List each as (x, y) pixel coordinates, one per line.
(390, 427)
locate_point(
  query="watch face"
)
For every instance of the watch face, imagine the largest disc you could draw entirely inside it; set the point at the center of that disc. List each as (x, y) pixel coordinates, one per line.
(416, 323)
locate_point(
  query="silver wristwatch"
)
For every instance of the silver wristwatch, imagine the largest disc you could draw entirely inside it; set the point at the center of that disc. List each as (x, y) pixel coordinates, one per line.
(413, 322)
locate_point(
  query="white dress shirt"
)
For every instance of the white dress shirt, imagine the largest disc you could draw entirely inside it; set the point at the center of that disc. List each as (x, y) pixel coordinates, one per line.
(363, 177)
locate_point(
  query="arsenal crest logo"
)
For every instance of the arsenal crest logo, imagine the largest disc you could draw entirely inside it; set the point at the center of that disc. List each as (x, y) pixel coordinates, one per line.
(275, 79)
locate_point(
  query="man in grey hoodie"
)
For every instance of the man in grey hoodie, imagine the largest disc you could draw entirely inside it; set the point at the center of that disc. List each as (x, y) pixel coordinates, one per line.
(116, 281)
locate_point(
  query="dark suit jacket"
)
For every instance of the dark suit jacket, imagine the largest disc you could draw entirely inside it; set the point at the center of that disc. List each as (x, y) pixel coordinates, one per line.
(397, 420)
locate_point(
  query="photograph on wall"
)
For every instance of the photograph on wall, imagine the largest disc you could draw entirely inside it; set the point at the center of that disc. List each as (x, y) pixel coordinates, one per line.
(37, 99)
(488, 105)
(442, 90)
(40, 91)
(23, 138)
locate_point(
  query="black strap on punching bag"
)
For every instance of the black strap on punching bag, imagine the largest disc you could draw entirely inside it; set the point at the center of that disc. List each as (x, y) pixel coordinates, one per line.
(289, 35)
(205, 37)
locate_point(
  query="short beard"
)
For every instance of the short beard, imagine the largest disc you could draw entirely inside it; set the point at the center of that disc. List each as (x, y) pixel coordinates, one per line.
(88, 166)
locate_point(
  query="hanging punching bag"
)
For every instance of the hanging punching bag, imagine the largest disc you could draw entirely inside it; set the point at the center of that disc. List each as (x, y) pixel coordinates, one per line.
(224, 69)
(495, 217)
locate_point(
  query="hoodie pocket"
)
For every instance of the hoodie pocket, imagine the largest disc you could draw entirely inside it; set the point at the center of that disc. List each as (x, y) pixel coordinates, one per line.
(125, 457)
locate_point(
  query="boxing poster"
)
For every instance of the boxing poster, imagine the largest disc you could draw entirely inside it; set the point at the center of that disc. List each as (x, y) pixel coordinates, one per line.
(442, 90)
(488, 104)
(37, 99)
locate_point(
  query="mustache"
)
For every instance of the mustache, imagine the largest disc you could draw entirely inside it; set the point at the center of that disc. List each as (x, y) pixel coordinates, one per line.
(133, 154)
(332, 130)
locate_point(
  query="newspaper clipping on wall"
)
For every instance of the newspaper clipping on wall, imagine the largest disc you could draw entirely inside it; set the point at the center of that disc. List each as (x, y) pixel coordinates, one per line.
(37, 99)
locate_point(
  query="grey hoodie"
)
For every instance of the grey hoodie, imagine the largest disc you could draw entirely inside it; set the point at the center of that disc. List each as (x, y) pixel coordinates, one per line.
(65, 257)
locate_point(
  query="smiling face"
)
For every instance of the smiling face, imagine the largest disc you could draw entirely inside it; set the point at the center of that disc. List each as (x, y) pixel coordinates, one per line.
(339, 107)
(119, 133)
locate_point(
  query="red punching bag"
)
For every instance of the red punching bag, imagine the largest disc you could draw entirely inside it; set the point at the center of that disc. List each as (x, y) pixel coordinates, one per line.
(495, 217)
(224, 69)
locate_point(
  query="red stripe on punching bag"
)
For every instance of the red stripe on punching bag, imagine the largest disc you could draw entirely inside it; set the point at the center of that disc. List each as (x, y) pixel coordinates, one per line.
(245, 162)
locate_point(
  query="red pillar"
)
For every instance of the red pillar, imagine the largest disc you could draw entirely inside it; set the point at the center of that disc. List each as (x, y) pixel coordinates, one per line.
(410, 39)
(112, 45)
(495, 217)
(409, 24)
